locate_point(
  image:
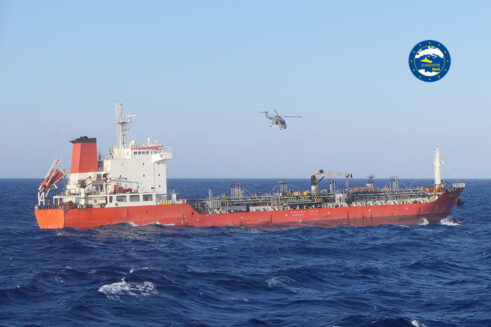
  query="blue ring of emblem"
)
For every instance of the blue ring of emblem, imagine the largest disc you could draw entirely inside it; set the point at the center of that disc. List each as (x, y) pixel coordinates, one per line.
(431, 67)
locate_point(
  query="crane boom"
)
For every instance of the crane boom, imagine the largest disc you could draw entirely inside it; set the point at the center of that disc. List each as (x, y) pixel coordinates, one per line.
(319, 175)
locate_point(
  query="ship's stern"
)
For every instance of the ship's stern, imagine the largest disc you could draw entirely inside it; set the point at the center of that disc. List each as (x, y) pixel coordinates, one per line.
(50, 218)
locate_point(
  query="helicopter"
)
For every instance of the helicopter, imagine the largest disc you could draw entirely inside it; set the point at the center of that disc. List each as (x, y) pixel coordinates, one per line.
(277, 120)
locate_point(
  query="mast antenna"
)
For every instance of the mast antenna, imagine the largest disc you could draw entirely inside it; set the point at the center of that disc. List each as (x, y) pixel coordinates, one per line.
(438, 168)
(123, 122)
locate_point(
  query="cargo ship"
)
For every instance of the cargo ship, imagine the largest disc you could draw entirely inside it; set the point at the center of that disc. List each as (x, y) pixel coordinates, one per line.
(130, 186)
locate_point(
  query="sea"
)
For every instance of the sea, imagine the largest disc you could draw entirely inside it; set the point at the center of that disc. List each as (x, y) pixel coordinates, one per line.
(125, 275)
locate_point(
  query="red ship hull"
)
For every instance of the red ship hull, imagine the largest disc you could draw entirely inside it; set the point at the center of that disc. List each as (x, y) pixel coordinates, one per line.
(185, 215)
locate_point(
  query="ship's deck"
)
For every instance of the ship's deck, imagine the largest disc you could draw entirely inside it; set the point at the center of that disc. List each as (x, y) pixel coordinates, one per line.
(306, 200)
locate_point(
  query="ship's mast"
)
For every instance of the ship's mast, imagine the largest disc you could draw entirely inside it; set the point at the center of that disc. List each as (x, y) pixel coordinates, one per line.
(437, 168)
(122, 122)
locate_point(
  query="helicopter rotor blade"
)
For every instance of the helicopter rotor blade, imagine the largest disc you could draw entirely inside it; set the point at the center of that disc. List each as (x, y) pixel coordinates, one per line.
(293, 116)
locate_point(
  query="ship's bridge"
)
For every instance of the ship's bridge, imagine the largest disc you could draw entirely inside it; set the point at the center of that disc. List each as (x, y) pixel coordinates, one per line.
(155, 150)
(159, 150)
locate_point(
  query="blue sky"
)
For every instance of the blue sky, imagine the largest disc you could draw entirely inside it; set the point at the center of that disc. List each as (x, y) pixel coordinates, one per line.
(197, 72)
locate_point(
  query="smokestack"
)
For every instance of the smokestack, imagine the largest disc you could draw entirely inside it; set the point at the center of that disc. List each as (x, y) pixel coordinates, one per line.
(84, 155)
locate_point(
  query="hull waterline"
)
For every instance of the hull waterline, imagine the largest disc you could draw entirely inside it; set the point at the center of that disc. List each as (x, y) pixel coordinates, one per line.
(186, 215)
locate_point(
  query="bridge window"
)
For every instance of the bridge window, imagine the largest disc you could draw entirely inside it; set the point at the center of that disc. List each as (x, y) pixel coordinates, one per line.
(111, 199)
(147, 197)
(134, 198)
(121, 198)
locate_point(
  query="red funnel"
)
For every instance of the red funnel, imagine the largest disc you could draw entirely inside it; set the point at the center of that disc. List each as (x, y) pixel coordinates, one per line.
(84, 155)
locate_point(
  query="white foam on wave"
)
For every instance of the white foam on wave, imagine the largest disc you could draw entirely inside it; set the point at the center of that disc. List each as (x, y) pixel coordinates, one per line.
(276, 281)
(415, 323)
(449, 221)
(58, 279)
(241, 299)
(132, 270)
(160, 224)
(281, 281)
(153, 223)
(424, 222)
(115, 290)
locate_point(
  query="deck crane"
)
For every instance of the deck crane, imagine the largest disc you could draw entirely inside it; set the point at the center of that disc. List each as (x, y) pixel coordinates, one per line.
(319, 175)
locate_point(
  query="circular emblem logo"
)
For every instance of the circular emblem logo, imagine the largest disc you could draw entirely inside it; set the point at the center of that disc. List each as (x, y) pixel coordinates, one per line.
(429, 61)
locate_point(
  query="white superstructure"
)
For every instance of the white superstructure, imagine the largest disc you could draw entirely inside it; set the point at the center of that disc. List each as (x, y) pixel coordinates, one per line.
(132, 174)
(140, 167)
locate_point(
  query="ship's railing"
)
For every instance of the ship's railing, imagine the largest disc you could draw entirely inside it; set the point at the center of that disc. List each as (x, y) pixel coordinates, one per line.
(310, 200)
(382, 195)
(287, 201)
(67, 206)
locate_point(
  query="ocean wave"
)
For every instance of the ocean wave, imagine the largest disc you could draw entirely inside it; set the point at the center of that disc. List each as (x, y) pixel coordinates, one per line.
(424, 222)
(278, 281)
(311, 276)
(415, 323)
(161, 225)
(449, 221)
(362, 320)
(132, 270)
(115, 290)
(283, 282)
(236, 299)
